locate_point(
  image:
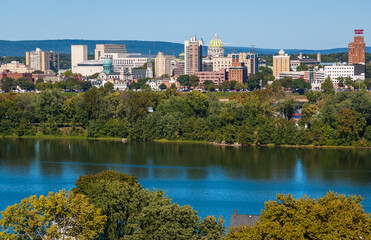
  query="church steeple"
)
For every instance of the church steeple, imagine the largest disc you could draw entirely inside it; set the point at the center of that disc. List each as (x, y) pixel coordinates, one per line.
(149, 71)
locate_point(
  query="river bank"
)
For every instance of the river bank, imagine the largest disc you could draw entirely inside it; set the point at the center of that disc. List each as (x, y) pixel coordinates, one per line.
(124, 140)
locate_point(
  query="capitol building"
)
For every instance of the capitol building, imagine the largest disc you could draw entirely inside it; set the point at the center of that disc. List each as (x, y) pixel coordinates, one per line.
(215, 48)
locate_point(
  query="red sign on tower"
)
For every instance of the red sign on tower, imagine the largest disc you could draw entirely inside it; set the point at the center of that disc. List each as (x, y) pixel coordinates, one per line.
(358, 31)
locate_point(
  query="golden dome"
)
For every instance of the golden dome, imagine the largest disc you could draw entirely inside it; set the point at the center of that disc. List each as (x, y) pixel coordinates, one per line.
(216, 42)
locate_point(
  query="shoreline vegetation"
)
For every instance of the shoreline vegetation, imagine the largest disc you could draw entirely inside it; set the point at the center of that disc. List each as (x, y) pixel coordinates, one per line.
(124, 140)
(270, 117)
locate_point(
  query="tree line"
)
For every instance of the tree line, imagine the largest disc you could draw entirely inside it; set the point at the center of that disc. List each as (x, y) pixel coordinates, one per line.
(68, 85)
(248, 118)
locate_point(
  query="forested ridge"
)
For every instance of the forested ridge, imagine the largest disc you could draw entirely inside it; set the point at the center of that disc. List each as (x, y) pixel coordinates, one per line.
(248, 118)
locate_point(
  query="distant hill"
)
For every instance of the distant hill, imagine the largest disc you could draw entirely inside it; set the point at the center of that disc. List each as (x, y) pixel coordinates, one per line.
(18, 48)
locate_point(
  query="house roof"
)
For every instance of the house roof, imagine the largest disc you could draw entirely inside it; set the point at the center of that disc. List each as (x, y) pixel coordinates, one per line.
(238, 220)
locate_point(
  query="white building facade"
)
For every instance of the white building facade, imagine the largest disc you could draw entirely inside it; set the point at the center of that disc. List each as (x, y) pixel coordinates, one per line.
(79, 53)
(336, 71)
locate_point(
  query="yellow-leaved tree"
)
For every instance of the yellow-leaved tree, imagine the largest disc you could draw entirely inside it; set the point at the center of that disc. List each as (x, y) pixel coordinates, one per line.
(333, 216)
(57, 216)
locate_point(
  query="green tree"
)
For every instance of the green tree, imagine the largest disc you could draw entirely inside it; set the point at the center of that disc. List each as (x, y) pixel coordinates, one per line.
(208, 85)
(93, 76)
(313, 96)
(165, 76)
(300, 85)
(193, 81)
(49, 105)
(134, 85)
(333, 216)
(7, 84)
(25, 84)
(145, 87)
(162, 86)
(307, 114)
(302, 67)
(348, 126)
(225, 85)
(108, 86)
(56, 216)
(348, 82)
(246, 135)
(43, 86)
(286, 82)
(67, 73)
(198, 102)
(341, 81)
(184, 80)
(130, 210)
(40, 80)
(287, 108)
(327, 86)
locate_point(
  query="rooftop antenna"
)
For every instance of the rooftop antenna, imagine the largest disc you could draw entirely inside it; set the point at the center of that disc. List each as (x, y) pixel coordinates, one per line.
(252, 48)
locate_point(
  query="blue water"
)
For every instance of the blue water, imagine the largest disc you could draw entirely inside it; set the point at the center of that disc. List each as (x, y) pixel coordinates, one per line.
(213, 180)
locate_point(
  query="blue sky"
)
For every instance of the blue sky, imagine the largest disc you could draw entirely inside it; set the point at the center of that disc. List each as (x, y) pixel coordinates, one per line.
(315, 24)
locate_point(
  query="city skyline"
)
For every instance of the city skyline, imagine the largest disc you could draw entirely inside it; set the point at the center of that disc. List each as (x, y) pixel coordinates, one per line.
(273, 24)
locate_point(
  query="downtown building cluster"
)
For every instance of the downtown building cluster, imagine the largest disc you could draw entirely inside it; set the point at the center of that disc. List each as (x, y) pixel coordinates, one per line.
(39, 65)
(318, 71)
(113, 63)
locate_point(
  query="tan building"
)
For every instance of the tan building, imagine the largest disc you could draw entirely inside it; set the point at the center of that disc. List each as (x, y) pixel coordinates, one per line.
(222, 63)
(16, 67)
(281, 63)
(79, 53)
(39, 60)
(357, 49)
(163, 64)
(193, 56)
(226, 62)
(102, 49)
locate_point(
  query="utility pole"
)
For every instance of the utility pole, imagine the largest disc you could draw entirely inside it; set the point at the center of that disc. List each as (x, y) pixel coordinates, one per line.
(261, 84)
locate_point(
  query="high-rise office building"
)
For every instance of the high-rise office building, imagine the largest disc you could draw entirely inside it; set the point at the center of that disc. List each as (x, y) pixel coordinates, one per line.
(193, 56)
(101, 50)
(281, 63)
(179, 68)
(54, 61)
(252, 62)
(42, 61)
(238, 71)
(79, 53)
(357, 48)
(163, 64)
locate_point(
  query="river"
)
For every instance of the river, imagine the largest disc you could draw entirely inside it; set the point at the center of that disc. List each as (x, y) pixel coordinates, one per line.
(214, 180)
